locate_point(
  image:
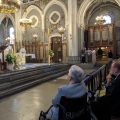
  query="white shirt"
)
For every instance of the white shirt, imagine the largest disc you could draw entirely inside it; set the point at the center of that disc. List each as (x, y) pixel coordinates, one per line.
(89, 52)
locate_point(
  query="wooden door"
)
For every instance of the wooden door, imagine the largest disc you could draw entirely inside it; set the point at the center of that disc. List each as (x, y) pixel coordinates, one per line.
(56, 46)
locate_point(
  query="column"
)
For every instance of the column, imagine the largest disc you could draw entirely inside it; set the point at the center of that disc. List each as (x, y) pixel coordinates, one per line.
(81, 38)
(72, 28)
(18, 29)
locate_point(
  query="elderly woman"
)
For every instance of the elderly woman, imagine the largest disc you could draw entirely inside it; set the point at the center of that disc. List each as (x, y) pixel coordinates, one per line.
(75, 88)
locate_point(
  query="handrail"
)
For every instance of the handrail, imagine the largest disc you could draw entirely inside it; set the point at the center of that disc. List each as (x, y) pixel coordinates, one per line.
(94, 80)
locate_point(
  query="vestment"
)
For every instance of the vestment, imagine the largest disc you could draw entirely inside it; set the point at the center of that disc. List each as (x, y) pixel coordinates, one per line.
(89, 53)
(93, 56)
(111, 101)
(71, 90)
(22, 50)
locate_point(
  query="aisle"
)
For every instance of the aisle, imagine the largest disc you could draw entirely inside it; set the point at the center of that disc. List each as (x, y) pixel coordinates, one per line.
(27, 105)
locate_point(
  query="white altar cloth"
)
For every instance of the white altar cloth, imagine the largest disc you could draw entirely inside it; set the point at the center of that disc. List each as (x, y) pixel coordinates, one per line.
(32, 55)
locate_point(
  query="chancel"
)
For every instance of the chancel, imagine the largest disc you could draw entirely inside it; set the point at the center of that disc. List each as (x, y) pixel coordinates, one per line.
(41, 39)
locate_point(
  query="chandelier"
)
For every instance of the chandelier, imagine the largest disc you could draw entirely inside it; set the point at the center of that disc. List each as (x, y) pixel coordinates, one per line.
(24, 22)
(61, 30)
(35, 36)
(100, 20)
(9, 6)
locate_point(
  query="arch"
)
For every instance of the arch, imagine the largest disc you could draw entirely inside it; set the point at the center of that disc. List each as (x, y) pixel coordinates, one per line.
(2, 16)
(62, 5)
(54, 35)
(31, 7)
(83, 9)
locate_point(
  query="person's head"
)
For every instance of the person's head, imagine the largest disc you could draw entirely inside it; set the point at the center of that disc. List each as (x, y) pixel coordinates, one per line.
(22, 46)
(76, 74)
(115, 68)
(110, 50)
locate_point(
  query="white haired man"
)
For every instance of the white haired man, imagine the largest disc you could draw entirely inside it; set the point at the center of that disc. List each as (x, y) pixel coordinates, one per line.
(75, 88)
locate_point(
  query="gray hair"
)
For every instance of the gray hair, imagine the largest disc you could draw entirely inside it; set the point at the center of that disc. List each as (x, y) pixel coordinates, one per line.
(76, 73)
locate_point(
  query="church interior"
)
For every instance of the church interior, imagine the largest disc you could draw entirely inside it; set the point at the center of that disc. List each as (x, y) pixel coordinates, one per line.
(51, 34)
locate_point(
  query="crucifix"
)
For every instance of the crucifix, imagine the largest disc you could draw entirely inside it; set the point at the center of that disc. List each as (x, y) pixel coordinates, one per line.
(48, 35)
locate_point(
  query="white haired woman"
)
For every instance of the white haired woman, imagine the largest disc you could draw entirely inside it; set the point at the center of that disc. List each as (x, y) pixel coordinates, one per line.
(75, 88)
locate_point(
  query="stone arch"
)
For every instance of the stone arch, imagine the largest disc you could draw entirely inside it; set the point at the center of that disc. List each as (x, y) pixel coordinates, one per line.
(31, 7)
(2, 16)
(54, 35)
(83, 9)
(62, 5)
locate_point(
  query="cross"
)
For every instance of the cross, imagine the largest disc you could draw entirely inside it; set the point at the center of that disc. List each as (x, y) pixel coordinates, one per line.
(48, 35)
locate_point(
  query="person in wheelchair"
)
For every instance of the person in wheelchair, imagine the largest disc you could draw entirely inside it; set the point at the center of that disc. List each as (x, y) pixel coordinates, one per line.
(109, 104)
(75, 88)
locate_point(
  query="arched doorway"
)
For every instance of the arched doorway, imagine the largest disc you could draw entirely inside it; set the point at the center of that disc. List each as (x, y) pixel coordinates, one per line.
(56, 46)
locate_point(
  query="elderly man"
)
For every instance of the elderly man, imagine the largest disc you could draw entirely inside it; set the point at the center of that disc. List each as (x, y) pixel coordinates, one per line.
(75, 88)
(109, 104)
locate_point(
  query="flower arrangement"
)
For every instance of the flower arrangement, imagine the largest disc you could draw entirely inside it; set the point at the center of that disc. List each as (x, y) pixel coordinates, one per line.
(51, 53)
(10, 58)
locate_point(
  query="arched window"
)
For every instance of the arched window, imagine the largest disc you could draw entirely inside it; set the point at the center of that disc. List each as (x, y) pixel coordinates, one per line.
(107, 19)
(12, 35)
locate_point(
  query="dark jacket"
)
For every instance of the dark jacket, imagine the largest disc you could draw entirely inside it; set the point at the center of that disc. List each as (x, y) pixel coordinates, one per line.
(109, 54)
(100, 51)
(112, 98)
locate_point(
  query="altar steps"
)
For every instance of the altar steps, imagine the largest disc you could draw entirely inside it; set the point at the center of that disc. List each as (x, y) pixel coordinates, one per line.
(13, 82)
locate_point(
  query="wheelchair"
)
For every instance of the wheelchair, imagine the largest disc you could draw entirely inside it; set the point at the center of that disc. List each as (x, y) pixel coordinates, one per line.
(73, 109)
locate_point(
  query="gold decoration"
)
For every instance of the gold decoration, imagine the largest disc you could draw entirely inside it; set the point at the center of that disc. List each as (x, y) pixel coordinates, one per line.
(9, 6)
(24, 22)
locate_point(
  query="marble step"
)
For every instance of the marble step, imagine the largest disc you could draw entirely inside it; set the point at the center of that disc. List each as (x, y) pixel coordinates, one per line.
(21, 87)
(16, 83)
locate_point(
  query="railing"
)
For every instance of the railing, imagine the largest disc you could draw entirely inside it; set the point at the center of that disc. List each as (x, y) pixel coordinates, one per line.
(94, 80)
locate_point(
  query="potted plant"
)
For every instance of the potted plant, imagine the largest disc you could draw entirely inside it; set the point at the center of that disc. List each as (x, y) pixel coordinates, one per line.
(51, 53)
(10, 59)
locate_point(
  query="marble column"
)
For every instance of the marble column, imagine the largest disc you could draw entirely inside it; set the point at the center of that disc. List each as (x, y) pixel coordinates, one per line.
(72, 28)
(18, 29)
(81, 38)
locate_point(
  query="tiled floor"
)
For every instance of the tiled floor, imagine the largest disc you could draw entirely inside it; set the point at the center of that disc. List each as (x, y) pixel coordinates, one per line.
(28, 104)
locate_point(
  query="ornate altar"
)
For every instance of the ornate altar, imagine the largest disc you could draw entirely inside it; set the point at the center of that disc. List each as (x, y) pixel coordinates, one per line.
(102, 36)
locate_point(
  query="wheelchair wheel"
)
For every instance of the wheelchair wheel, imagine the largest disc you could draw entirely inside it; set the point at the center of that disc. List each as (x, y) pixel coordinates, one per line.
(93, 117)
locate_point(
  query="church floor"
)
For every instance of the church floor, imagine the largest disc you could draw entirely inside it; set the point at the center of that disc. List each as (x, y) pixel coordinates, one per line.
(27, 105)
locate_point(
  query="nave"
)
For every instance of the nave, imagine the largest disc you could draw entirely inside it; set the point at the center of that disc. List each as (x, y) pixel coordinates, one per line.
(27, 105)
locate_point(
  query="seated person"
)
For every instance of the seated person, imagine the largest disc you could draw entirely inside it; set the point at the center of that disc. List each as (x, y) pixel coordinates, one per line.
(75, 88)
(22, 50)
(109, 104)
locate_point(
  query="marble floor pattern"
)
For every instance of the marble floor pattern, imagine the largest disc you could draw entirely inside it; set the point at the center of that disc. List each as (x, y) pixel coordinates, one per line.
(27, 105)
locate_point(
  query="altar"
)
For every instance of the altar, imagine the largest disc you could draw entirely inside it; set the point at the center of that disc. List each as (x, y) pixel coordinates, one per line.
(21, 58)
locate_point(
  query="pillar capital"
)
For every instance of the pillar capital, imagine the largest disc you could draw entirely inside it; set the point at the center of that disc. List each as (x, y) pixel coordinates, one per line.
(81, 26)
